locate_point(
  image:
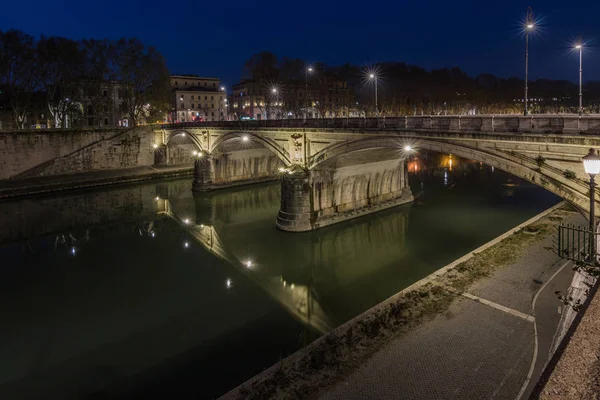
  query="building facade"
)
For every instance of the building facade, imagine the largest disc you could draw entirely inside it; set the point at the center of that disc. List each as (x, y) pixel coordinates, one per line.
(318, 98)
(194, 98)
(102, 104)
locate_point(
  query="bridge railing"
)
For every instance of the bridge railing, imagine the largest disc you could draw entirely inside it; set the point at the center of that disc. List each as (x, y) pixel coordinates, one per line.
(466, 123)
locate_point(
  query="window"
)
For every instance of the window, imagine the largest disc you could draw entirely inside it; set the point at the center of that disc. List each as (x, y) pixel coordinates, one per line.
(204, 83)
(205, 97)
(105, 93)
(181, 97)
(185, 83)
(192, 97)
(105, 121)
(212, 97)
(182, 105)
(90, 121)
(105, 108)
(205, 105)
(212, 113)
(214, 84)
(192, 105)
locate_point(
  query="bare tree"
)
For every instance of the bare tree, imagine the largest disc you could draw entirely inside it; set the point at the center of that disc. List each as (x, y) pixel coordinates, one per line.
(145, 79)
(18, 72)
(61, 70)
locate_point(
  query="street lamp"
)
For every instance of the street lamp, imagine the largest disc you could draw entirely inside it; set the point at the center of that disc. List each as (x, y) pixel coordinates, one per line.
(373, 76)
(591, 164)
(308, 69)
(579, 47)
(275, 93)
(222, 89)
(528, 27)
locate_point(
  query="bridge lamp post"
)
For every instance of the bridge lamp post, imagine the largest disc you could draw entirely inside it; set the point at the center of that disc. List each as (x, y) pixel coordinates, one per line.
(528, 27)
(591, 164)
(222, 89)
(579, 47)
(309, 69)
(373, 76)
(276, 94)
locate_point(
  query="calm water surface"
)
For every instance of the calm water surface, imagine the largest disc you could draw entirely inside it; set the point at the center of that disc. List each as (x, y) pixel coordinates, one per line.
(152, 289)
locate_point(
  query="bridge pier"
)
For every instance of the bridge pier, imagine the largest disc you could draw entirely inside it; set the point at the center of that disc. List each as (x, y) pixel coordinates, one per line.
(317, 198)
(235, 168)
(204, 174)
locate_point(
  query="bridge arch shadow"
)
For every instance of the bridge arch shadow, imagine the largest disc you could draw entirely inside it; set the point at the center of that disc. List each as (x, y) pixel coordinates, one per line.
(236, 140)
(180, 147)
(552, 179)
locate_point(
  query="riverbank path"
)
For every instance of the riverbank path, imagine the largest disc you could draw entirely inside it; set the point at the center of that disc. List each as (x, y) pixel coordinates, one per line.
(492, 343)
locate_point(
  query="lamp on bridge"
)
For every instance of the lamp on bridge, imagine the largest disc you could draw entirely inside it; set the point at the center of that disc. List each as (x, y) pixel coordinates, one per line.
(529, 25)
(591, 164)
(373, 76)
(579, 46)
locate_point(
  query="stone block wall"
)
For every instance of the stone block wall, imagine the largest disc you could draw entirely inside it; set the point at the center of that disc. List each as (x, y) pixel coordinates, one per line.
(321, 197)
(28, 155)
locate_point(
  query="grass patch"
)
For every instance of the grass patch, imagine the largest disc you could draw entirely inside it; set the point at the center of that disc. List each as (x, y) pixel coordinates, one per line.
(337, 354)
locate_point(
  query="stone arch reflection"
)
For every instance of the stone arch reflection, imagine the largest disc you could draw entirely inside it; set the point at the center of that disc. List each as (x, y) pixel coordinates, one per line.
(307, 274)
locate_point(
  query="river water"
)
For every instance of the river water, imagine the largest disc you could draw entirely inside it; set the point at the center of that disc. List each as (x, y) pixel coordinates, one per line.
(151, 289)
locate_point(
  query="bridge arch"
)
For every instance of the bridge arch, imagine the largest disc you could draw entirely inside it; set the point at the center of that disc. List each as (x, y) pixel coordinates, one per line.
(268, 143)
(191, 136)
(574, 191)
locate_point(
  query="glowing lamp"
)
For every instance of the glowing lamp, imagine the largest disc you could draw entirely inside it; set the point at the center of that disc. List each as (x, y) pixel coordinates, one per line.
(591, 163)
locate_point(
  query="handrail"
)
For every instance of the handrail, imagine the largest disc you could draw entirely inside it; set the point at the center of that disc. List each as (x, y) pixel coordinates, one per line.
(543, 123)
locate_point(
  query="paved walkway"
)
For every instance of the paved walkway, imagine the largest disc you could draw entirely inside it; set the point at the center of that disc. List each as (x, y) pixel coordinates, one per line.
(482, 347)
(46, 184)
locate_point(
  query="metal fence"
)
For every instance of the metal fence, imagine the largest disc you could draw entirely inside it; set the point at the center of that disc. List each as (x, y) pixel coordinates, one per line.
(573, 243)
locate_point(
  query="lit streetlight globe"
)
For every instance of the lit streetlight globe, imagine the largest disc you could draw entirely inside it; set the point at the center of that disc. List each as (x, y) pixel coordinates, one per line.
(591, 163)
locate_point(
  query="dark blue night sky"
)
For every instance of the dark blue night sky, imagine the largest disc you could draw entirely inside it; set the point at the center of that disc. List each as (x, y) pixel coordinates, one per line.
(215, 38)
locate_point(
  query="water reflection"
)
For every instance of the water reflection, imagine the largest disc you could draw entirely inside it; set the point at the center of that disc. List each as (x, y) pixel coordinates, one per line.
(297, 270)
(104, 286)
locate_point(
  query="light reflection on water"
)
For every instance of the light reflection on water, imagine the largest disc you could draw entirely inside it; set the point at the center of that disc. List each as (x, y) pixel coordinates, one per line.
(107, 286)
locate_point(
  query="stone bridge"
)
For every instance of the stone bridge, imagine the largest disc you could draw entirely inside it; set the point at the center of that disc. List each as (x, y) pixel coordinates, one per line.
(336, 169)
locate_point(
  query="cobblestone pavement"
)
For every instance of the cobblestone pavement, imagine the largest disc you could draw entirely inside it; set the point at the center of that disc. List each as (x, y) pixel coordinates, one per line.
(473, 350)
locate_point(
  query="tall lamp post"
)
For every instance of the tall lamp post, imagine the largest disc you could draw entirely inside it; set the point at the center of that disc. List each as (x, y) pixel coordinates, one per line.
(591, 164)
(274, 90)
(308, 69)
(373, 76)
(528, 27)
(579, 47)
(221, 89)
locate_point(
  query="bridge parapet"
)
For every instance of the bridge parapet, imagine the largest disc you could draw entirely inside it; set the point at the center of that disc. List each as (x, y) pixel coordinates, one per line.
(477, 123)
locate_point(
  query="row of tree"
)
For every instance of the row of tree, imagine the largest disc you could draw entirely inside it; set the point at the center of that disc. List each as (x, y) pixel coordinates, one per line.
(60, 75)
(404, 89)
